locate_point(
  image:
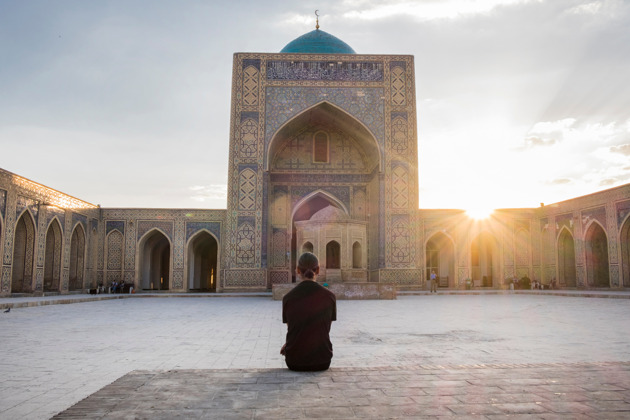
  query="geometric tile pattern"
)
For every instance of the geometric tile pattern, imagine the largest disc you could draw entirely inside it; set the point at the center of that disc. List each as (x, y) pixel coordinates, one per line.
(401, 240)
(398, 84)
(399, 135)
(247, 190)
(114, 251)
(400, 188)
(245, 241)
(250, 85)
(248, 145)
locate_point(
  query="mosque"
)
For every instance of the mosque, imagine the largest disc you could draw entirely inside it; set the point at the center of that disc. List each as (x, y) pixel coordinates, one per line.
(322, 158)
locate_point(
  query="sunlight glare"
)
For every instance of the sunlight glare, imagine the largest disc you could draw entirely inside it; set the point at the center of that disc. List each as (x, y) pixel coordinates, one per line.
(479, 213)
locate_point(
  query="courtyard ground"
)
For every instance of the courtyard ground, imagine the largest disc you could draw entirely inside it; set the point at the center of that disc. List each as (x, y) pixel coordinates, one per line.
(474, 356)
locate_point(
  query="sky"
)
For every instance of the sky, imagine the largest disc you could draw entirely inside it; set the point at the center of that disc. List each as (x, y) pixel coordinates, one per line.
(127, 103)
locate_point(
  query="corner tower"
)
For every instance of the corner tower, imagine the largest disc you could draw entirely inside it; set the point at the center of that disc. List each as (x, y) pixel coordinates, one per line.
(318, 126)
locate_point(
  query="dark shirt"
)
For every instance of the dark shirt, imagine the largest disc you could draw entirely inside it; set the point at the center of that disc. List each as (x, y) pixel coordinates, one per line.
(308, 311)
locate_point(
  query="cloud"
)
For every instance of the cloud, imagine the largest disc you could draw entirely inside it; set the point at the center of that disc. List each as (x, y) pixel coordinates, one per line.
(425, 10)
(560, 181)
(208, 192)
(537, 141)
(623, 149)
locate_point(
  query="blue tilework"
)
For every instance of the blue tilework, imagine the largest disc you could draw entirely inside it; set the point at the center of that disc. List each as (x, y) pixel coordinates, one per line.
(317, 42)
(194, 227)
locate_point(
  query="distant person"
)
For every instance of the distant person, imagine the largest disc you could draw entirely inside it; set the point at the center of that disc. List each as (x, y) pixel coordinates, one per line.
(308, 310)
(433, 282)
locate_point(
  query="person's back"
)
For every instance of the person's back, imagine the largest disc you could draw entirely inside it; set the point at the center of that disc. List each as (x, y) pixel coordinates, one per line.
(308, 311)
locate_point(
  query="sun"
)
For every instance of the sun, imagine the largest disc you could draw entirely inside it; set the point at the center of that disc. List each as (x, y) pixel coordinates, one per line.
(479, 212)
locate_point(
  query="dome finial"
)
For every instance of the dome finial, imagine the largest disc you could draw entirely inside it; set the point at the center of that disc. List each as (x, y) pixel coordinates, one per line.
(316, 19)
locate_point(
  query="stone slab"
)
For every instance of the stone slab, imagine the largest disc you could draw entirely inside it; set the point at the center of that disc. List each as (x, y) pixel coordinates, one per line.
(582, 389)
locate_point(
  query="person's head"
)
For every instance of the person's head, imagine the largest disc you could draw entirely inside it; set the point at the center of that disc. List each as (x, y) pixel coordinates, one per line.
(308, 266)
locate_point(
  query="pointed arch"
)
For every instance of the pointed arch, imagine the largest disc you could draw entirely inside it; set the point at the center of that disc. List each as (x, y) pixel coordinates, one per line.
(307, 247)
(304, 209)
(596, 248)
(325, 111)
(23, 254)
(333, 255)
(321, 194)
(624, 240)
(567, 272)
(52, 256)
(440, 257)
(357, 255)
(484, 258)
(154, 260)
(202, 261)
(77, 258)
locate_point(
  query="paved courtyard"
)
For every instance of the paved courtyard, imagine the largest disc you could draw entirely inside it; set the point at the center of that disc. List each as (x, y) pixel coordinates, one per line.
(52, 357)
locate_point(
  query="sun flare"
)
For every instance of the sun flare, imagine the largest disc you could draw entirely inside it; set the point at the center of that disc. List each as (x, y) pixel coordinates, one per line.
(479, 213)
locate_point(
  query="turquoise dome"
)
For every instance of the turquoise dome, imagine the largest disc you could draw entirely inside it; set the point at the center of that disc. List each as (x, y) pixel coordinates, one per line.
(317, 42)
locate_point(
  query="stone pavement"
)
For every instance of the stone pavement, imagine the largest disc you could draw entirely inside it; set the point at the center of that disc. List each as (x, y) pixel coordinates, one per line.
(545, 391)
(54, 356)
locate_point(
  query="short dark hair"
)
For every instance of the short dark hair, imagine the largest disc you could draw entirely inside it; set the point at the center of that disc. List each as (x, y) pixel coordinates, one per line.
(307, 264)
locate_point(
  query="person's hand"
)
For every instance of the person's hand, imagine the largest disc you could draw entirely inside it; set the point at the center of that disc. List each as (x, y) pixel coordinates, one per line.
(283, 349)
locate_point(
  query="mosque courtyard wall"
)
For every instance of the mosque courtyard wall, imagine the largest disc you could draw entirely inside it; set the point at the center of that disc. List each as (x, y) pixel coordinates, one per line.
(55, 243)
(323, 156)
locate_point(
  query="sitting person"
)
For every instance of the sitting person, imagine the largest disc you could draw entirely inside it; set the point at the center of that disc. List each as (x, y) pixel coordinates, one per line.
(308, 310)
(113, 287)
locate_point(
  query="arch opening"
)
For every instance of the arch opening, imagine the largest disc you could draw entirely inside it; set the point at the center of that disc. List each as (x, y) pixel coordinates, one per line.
(304, 211)
(333, 255)
(307, 247)
(597, 268)
(567, 272)
(23, 251)
(356, 255)
(203, 259)
(484, 255)
(155, 257)
(440, 257)
(52, 259)
(77, 258)
(344, 133)
(625, 252)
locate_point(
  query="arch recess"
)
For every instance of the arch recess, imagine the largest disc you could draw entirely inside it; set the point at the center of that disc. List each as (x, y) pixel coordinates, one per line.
(23, 253)
(325, 111)
(624, 241)
(596, 250)
(440, 257)
(484, 258)
(567, 272)
(203, 261)
(326, 195)
(77, 258)
(333, 255)
(52, 256)
(154, 256)
(304, 210)
(357, 260)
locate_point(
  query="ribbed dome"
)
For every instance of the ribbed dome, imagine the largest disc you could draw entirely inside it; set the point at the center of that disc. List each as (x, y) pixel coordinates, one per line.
(317, 42)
